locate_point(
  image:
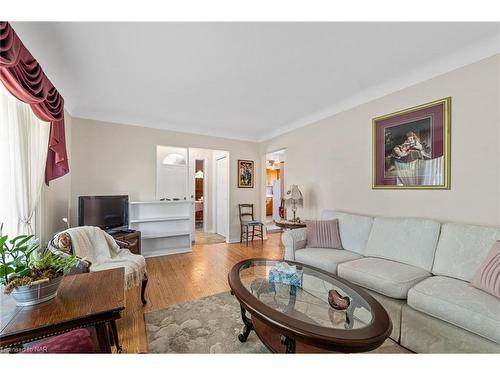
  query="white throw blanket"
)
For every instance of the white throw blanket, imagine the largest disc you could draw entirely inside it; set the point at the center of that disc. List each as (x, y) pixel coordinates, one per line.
(99, 248)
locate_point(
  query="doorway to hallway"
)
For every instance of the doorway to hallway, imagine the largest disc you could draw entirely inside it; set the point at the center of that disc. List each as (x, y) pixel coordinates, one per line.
(210, 194)
(275, 186)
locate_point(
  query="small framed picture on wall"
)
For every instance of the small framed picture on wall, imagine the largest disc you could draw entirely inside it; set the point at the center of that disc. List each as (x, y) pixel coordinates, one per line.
(246, 174)
(411, 148)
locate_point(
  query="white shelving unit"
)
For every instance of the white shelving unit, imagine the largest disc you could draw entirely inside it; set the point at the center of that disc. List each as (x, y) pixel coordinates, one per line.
(150, 220)
(165, 226)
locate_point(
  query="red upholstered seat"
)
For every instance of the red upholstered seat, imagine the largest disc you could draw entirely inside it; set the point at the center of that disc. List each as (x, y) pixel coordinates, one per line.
(76, 341)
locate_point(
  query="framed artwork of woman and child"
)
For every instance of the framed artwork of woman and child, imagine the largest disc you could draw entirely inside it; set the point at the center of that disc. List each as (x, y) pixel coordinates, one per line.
(411, 148)
(245, 174)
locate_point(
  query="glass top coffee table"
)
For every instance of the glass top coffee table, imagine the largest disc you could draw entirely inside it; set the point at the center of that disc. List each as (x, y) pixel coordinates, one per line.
(299, 318)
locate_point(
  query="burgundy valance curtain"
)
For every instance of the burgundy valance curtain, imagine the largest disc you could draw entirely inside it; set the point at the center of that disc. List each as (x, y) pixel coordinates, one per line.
(24, 78)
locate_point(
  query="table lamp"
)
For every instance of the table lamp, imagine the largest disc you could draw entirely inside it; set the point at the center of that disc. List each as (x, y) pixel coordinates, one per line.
(294, 199)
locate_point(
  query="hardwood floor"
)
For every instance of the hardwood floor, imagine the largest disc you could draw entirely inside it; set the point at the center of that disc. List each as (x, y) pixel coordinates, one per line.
(185, 277)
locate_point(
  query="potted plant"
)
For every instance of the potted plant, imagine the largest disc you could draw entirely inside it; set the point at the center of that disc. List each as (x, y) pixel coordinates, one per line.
(29, 275)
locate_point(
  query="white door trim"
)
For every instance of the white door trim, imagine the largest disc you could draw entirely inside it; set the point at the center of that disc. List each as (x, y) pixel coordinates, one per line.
(227, 219)
(205, 191)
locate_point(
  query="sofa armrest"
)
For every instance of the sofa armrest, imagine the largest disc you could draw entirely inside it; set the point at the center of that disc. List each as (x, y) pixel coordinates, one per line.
(293, 240)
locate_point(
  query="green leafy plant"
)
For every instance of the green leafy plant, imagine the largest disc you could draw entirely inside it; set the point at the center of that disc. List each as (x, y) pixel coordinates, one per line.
(16, 257)
(21, 263)
(48, 260)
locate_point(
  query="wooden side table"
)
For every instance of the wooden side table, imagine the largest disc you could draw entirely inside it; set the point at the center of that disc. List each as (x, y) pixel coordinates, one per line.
(93, 299)
(287, 225)
(133, 239)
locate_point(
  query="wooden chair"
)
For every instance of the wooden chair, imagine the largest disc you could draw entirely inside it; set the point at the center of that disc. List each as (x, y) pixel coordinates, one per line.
(248, 224)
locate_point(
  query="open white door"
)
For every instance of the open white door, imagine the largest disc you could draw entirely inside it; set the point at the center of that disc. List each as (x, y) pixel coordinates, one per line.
(191, 193)
(222, 197)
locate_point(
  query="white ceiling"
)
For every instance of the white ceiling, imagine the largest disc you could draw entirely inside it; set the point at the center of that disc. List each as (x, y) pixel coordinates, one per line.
(243, 80)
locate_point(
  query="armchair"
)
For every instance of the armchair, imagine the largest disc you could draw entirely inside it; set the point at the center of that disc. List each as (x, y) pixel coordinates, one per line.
(62, 244)
(97, 251)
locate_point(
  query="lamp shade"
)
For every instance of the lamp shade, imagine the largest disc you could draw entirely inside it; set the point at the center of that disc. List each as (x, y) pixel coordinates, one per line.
(294, 197)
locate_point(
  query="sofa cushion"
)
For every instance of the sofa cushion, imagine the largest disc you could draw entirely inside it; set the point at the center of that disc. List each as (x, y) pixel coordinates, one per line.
(354, 229)
(462, 249)
(326, 259)
(323, 233)
(487, 277)
(459, 303)
(392, 279)
(404, 240)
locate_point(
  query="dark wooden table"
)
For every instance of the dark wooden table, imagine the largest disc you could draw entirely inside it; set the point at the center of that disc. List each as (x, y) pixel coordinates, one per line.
(133, 240)
(294, 323)
(93, 299)
(289, 225)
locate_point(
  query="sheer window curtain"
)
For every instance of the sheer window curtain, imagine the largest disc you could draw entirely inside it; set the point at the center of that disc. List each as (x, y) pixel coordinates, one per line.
(23, 153)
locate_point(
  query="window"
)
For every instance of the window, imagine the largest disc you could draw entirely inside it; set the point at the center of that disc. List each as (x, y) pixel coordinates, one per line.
(23, 152)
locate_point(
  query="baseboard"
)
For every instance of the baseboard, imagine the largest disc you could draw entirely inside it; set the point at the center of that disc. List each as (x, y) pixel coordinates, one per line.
(165, 252)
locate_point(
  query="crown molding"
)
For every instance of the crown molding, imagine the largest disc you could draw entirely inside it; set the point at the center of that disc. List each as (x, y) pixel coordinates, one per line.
(469, 55)
(161, 125)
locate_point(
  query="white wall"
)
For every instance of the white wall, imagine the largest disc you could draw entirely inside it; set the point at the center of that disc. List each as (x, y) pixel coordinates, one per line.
(109, 158)
(55, 198)
(331, 159)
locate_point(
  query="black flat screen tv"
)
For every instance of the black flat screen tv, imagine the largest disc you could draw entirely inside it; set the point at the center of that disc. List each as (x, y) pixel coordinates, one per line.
(103, 211)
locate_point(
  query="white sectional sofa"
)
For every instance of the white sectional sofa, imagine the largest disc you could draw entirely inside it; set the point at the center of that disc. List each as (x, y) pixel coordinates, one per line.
(419, 270)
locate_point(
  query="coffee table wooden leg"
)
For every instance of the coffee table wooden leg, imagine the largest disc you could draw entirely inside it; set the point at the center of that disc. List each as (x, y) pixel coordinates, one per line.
(248, 326)
(289, 343)
(102, 334)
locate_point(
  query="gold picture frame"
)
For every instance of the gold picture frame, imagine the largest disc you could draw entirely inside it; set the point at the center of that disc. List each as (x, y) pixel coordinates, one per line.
(246, 174)
(436, 115)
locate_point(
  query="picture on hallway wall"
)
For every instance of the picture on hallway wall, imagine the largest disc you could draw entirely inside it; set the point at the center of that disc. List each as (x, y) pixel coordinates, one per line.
(246, 174)
(411, 148)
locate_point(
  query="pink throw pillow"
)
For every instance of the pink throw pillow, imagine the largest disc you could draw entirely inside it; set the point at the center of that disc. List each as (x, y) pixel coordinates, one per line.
(323, 233)
(487, 277)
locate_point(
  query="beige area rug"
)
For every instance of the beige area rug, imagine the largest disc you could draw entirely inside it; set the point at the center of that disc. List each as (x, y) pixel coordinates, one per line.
(210, 325)
(203, 238)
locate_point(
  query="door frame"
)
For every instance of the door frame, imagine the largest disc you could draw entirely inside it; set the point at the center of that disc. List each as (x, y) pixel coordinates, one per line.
(216, 208)
(263, 180)
(205, 191)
